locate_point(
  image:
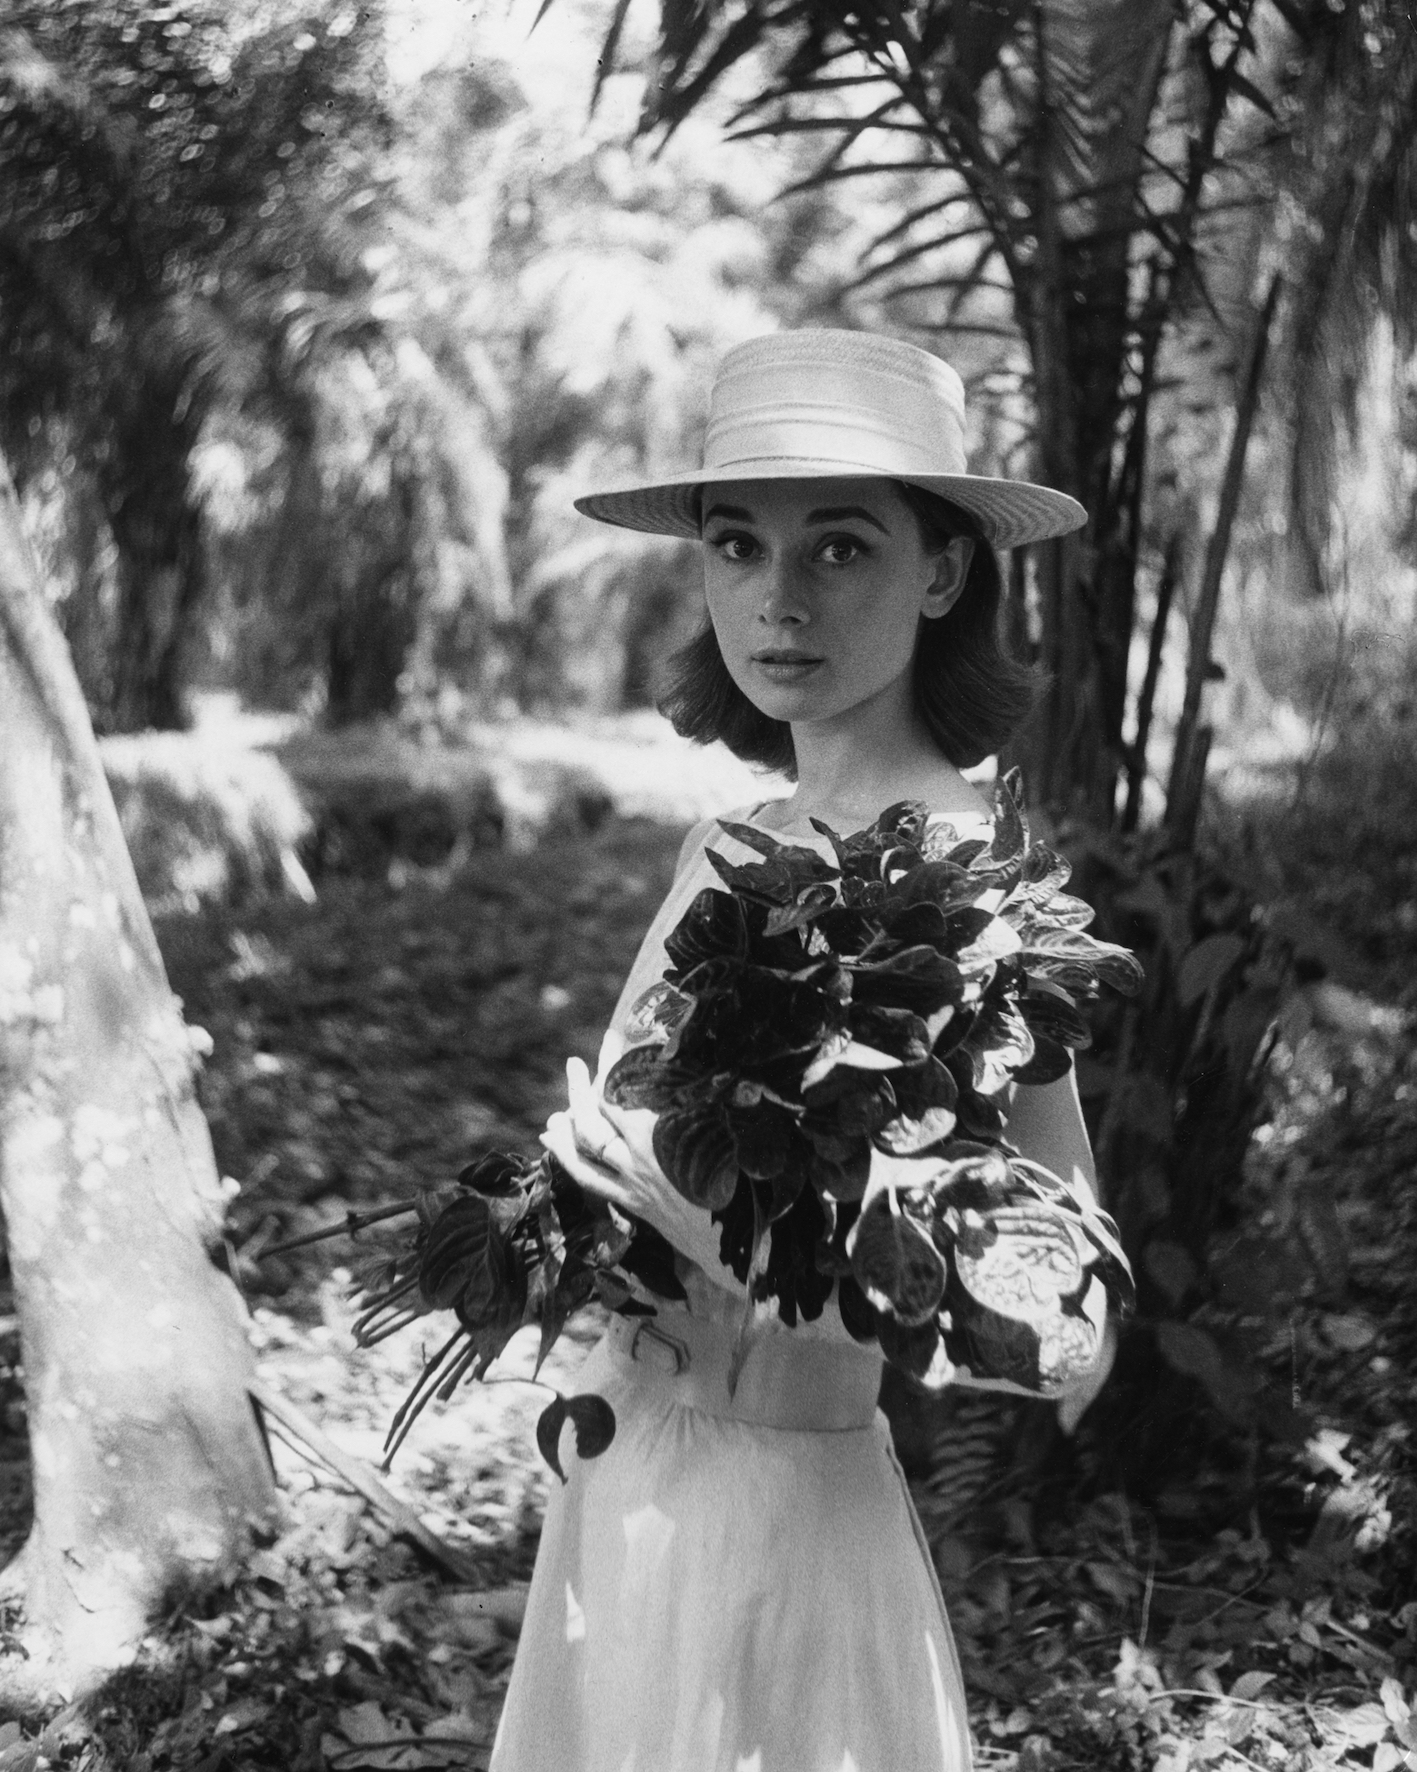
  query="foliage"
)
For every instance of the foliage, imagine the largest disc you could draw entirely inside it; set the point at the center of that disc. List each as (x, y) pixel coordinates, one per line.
(1097, 1629)
(420, 328)
(173, 177)
(822, 1010)
(206, 822)
(1177, 1088)
(1087, 191)
(515, 1243)
(1175, 1093)
(415, 335)
(1349, 98)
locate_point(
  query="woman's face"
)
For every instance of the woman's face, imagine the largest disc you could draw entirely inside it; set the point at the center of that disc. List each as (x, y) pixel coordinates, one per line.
(816, 589)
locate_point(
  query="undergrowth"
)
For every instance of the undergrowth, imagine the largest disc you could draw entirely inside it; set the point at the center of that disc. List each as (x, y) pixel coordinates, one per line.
(1260, 1611)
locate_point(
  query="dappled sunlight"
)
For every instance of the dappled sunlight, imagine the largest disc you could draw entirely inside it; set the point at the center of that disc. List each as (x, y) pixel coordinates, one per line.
(314, 324)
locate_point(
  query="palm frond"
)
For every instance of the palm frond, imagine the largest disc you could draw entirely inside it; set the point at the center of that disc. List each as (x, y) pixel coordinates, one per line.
(677, 93)
(605, 67)
(909, 255)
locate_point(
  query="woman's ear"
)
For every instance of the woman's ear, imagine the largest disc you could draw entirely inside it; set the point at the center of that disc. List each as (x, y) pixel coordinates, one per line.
(951, 571)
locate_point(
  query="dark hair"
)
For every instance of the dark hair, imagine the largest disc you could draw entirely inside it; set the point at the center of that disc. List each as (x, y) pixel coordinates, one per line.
(969, 689)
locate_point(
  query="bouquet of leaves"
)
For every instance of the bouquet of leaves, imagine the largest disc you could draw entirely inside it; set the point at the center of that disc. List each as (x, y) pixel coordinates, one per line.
(820, 1010)
(818, 1019)
(513, 1242)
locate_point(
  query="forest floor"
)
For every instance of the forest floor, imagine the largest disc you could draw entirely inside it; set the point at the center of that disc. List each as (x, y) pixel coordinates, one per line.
(371, 1041)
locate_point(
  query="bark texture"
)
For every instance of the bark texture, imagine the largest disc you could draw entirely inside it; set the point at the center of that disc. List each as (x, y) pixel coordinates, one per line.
(148, 1464)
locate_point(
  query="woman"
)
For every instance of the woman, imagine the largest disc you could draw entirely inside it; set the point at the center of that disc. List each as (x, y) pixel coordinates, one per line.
(740, 1582)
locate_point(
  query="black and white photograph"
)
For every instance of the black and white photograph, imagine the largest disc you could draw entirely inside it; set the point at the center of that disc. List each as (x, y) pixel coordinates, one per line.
(708, 885)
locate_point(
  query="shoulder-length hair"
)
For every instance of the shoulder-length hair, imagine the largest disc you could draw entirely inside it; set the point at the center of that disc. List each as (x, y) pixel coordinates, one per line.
(970, 691)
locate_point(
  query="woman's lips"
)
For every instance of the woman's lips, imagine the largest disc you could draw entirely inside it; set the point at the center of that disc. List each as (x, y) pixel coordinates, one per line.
(786, 667)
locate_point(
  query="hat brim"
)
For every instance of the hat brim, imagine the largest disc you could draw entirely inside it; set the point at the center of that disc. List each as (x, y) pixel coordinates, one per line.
(1008, 512)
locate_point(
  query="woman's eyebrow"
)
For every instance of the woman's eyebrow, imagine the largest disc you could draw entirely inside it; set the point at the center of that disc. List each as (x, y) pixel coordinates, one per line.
(733, 513)
(842, 512)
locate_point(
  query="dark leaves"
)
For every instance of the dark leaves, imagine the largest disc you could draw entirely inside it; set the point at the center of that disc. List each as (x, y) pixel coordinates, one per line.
(713, 927)
(1054, 1016)
(926, 1096)
(647, 1077)
(592, 1418)
(762, 1136)
(1075, 960)
(696, 1150)
(820, 1009)
(495, 1177)
(1050, 1061)
(919, 978)
(858, 1314)
(896, 1264)
(993, 1346)
(912, 1349)
(780, 880)
(1010, 830)
(880, 997)
(463, 1259)
(897, 1034)
(650, 1259)
(517, 1242)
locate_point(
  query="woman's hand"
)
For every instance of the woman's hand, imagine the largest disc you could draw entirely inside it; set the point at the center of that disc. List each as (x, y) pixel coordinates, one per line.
(1052, 1123)
(610, 1151)
(1046, 1123)
(1074, 1404)
(597, 1151)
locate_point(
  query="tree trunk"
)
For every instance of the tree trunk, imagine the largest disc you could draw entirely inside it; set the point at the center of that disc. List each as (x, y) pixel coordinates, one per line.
(375, 617)
(161, 568)
(148, 1463)
(1076, 309)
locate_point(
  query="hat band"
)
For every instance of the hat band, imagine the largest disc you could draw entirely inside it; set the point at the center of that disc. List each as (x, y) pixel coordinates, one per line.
(828, 435)
(870, 417)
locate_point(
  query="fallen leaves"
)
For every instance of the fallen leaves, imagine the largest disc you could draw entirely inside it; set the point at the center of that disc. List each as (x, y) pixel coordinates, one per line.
(368, 1739)
(1119, 1640)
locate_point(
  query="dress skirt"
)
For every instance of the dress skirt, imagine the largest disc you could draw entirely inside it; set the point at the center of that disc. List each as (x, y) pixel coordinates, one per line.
(738, 1583)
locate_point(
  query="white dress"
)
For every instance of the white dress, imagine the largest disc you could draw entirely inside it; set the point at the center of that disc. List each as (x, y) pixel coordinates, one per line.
(735, 1585)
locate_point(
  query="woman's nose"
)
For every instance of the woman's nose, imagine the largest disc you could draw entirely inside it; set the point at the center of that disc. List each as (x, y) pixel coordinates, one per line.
(784, 595)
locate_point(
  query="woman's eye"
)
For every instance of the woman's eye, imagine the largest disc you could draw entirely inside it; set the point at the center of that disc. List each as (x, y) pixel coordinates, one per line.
(735, 547)
(840, 550)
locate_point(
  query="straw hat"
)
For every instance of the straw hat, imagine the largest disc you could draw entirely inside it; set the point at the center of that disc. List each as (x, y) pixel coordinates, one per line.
(817, 404)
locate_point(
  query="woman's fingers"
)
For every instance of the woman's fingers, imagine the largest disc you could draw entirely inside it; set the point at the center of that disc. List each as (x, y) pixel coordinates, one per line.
(620, 1120)
(604, 1179)
(559, 1138)
(611, 1048)
(595, 1136)
(1076, 1403)
(580, 1091)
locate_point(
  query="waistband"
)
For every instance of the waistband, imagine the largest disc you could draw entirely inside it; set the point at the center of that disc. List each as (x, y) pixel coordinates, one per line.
(804, 1384)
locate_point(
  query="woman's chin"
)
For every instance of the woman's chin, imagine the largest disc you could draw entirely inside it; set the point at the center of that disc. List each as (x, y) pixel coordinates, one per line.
(791, 706)
(803, 697)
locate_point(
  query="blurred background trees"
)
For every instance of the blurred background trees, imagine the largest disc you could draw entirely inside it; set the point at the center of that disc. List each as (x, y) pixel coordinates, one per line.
(303, 362)
(178, 188)
(312, 322)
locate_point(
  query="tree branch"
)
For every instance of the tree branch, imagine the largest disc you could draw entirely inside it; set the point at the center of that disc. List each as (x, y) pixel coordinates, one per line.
(361, 1479)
